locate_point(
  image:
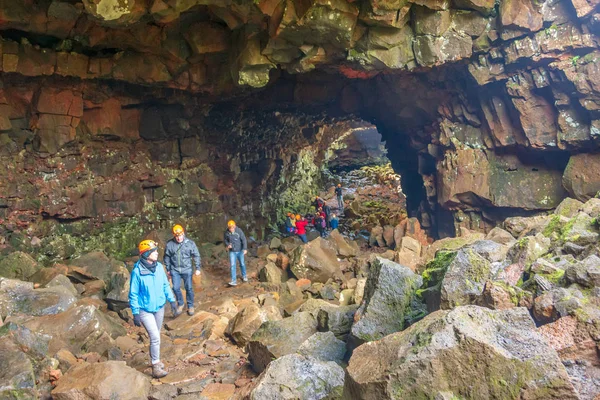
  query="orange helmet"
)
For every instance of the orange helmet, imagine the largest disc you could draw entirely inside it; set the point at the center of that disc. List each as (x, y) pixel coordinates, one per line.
(297, 216)
(147, 245)
(178, 230)
(339, 185)
(230, 223)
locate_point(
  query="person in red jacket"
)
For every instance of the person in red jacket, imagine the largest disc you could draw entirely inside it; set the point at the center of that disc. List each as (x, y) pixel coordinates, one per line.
(301, 223)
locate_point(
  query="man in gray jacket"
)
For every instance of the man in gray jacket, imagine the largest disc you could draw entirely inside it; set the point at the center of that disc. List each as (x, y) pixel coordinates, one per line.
(236, 243)
(179, 253)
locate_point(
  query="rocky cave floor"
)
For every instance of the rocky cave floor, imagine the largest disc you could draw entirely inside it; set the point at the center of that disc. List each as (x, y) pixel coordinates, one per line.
(513, 313)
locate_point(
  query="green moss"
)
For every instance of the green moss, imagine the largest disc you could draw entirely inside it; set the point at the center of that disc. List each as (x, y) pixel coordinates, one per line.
(118, 239)
(436, 268)
(553, 226)
(555, 277)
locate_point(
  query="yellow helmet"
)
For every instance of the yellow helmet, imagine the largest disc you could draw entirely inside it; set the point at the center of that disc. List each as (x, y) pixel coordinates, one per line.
(298, 216)
(147, 245)
(177, 230)
(230, 223)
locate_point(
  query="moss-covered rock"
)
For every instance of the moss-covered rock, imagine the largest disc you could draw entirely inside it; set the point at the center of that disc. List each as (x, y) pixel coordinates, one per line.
(299, 377)
(469, 352)
(388, 294)
(18, 265)
(277, 338)
(568, 207)
(465, 278)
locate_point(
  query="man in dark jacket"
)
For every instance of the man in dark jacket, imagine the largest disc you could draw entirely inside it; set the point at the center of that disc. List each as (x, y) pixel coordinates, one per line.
(340, 197)
(179, 254)
(235, 242)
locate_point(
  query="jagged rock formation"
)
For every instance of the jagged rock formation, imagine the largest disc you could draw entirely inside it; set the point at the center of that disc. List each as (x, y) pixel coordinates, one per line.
(117, 115)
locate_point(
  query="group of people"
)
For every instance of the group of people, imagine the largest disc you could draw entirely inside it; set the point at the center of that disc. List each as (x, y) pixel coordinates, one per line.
(323, 219)
(150, 284)
(150, 290)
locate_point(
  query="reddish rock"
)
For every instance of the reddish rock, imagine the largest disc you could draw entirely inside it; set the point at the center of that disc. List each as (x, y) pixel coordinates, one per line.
(582, 176)
(218, 391)
(496, 297)
(522, 14)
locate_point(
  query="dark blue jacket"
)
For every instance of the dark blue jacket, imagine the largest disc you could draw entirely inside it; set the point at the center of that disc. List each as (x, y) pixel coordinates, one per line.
(237, 240)
(179, 256)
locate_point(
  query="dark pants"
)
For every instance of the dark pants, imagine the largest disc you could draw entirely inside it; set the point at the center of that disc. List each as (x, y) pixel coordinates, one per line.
(303, 237)
(187, 283)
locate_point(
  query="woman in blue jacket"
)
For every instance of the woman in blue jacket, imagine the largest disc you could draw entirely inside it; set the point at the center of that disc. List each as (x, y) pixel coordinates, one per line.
(149, 291)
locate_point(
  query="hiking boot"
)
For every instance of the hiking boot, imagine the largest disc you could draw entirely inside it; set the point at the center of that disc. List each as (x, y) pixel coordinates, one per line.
(158, 371)
(232, 284)
(245, 279)
(179, 310)
(191, 311)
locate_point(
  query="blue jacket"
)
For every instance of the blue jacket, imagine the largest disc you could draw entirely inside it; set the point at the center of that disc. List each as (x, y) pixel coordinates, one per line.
(334, 223)
(179, 256)
(149, 291)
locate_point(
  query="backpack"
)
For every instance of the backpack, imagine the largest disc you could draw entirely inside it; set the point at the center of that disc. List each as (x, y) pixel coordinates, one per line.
(323, 223)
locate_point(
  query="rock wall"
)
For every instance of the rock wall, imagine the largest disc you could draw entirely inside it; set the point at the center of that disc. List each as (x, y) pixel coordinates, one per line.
(148, 112)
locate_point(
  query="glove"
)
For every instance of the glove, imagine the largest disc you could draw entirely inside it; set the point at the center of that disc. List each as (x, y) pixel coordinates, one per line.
(197, 272)
(174, 309)
(137, 320)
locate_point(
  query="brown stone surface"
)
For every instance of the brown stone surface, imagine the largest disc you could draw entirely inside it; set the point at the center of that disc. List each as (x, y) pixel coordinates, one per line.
(582, 176)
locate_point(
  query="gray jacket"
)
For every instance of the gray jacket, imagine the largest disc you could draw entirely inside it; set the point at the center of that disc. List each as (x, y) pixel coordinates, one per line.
(237, 240)
(178, 256)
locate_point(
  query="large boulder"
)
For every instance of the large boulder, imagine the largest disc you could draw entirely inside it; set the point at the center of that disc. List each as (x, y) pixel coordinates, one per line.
(79, 328)
(298, 377)
(465, 279)
(316, 261)
(585, 272)
(107, 380)
(17, 297)
(117, 296)
(344, 248)
(277, 338)
(582, 176)
(469, 352)
(337, 319)
(18, 265)
(323, 346)
(270, 273)
(94, 265)
(501, 236)
(16, 371)
(388, 294)
(580, 230)
(248, 320)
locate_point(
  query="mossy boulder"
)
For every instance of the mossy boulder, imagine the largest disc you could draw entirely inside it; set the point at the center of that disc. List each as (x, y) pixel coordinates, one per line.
(18, 297)
(580, 230)
(18, 265)
(585, 273)
(450, 244)
(81, 328)
(323, 346)
(275, 339)
(389, 290)
(469, 353)
(465, 278)
(568, 207)
(17, 372)
(295, 376)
